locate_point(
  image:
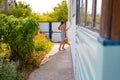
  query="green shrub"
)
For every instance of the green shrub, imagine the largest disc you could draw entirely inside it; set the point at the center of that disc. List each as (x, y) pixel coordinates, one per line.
(42, 43)
(38, 56)
(19, 34)
(23, 41)
(2, 1)
(8, 71)
(42, 47)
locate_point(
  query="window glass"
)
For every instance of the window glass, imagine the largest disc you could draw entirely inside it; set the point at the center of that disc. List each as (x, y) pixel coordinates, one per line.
(98, 14)
(82, 12)
(89, 13)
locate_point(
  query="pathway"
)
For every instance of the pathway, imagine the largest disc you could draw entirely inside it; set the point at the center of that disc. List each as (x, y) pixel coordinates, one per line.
(57, 67)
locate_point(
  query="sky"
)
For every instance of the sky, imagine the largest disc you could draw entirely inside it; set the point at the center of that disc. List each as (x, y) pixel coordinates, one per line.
(99, 2)
(42, 6)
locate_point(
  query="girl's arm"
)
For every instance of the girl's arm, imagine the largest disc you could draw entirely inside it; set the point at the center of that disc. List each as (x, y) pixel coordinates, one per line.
(67, 28)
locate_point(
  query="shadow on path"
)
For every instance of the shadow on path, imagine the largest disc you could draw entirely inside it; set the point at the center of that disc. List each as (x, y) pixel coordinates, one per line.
(58, 66)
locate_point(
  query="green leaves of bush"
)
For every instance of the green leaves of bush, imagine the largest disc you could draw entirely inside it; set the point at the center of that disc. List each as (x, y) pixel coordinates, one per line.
(42, 43)
(8, 71)
(19, 34)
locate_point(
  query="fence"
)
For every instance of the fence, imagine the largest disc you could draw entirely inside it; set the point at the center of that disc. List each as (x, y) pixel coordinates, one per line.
(51, 30)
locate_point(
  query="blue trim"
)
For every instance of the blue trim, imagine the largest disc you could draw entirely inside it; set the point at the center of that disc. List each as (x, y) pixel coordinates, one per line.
(107, 42)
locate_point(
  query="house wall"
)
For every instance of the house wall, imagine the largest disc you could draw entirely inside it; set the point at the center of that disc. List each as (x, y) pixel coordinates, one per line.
(71, 24)
(86, 54)
(92, 60)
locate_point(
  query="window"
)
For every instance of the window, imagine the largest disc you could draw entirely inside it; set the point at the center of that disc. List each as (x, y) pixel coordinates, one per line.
(98, 14)
(82, 12)
(89, 13)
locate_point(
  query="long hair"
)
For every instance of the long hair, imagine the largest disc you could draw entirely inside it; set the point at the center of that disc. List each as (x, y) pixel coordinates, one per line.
(62, 22)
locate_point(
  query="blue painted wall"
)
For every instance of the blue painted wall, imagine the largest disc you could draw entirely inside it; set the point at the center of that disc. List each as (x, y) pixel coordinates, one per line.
(86, 51)
(92, 60)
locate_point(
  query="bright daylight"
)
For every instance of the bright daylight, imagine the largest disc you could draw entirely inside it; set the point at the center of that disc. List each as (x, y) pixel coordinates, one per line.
(41, 6)
(59, 39)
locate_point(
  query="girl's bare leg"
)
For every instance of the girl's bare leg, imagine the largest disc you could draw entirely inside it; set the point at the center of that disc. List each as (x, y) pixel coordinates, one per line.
(63, 45)
(60, 46)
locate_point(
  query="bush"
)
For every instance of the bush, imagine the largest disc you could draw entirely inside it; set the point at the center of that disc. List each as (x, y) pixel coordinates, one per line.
(8, 71)
(19, 35)
(4, 49)
(38, 56)
(19, 39)
(42, 43)
(23, 41)
(42, 47)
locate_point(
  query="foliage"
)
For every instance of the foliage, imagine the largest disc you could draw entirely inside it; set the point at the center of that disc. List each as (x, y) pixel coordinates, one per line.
(4, 49)
(46, 17)
(61, 11)
(23, 40)
(19, 35)
(8, 70)
(42, 43)
(82, 14)
(42, 47)
(36, 16)
(89, 18)
(1, 1)
(19, 10)
(98, 18)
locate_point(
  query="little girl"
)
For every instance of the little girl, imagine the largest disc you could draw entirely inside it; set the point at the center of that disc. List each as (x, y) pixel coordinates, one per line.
(63, 29)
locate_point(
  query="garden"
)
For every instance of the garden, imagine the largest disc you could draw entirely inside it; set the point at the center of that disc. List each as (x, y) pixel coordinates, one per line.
(22, 47)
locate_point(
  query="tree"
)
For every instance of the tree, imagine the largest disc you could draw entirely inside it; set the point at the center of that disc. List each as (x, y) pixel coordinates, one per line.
(60, 12)
(19, 10)
(1, 1)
